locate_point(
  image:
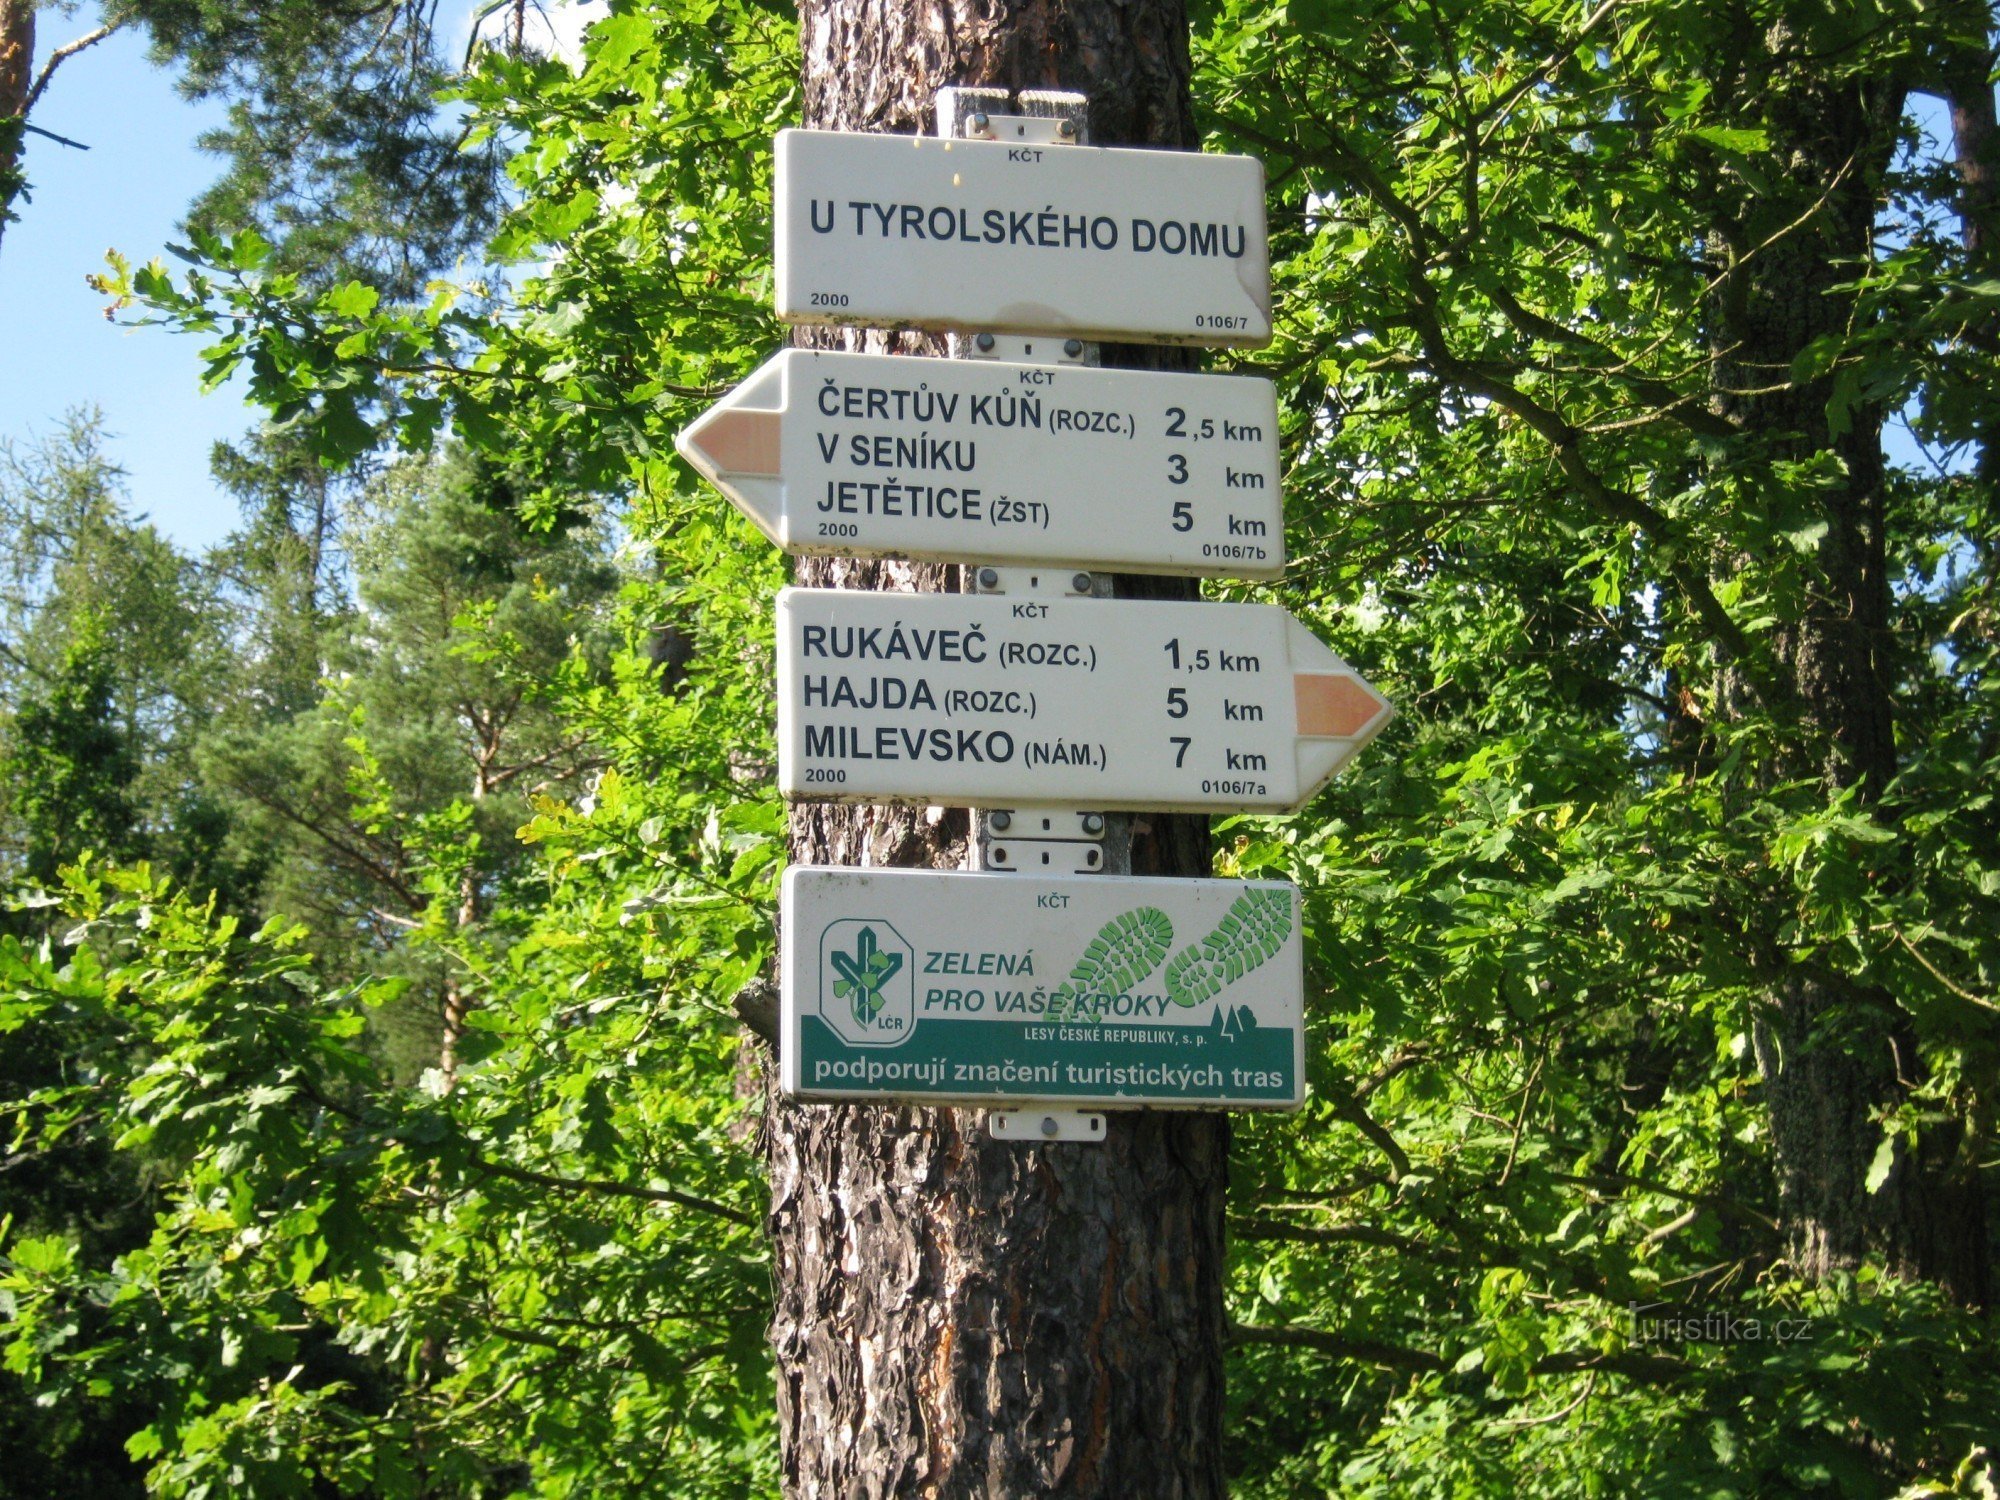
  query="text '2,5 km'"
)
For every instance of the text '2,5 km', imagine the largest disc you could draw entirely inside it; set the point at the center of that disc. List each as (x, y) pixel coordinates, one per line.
(983, 462)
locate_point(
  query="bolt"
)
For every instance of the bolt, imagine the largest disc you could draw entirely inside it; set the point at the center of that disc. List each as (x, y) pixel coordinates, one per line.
(1049, 1126)
(1093, 824)
(978, 124)
(1081, 583)
(1073, 348)
(1000, 821)
(984, 343)
(1066, 128)
(989, 578)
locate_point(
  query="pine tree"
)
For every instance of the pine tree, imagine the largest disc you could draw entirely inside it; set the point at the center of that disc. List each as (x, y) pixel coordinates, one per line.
(1022, 1320)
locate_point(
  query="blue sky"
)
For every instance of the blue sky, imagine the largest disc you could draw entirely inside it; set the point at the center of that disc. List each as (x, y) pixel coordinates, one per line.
(126, 192)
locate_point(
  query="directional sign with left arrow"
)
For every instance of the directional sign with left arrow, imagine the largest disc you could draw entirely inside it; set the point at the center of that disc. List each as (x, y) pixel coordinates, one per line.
(993, 701)
(862, 455)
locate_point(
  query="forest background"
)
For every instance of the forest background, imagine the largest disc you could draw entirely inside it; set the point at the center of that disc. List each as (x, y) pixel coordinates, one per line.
(380, 1117)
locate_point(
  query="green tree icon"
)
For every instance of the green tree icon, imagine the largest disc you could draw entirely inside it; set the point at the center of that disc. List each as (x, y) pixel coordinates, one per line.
(863, 974)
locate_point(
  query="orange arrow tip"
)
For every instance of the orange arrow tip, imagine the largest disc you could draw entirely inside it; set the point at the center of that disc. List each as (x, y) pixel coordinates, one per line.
(738, 440)
(1336, 705)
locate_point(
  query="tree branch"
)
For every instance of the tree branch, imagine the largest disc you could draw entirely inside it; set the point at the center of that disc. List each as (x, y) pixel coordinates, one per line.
(1481, 379)
(1678, 406)
(1351, 1110)
(1338, 1345)
(1651, 1369)
(60, 56)
(608, 1188)
(1619, 1181)
(1260, 1229)
(60, 140)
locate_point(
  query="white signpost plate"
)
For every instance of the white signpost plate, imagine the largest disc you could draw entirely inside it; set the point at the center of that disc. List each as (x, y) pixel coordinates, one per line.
(862, 455)
(994, 701)
(1088, 241)
(998, 989)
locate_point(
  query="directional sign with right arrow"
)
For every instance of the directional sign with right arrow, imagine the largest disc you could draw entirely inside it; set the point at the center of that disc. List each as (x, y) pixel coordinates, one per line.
(993, 701)
(861, 455)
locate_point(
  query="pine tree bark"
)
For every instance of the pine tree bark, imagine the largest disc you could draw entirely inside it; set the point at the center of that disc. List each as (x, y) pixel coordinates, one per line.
(17, 54)
(17, 61)
(958, 1316)
(1965, 79)
(1836, 1054)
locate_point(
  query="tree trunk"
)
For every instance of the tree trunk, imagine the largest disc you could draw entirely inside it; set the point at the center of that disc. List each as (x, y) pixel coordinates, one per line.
(1966, 84)
(17, 65)
(955, 1315)
(1836, 1054)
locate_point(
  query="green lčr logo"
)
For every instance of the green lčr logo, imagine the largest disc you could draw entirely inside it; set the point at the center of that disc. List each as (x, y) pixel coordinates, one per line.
(863, 973)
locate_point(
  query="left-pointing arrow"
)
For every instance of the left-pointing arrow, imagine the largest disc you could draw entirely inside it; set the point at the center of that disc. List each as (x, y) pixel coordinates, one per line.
(868, 455)
(737, 446)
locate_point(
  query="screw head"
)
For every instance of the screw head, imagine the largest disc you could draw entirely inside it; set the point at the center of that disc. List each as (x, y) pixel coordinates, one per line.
(1093, 823)
(984, 343)
(989, 578)
(1000, 821)
(978, 123)
(1073, 347)
(1065, 128)
(1081, 583)
(1049, 1126)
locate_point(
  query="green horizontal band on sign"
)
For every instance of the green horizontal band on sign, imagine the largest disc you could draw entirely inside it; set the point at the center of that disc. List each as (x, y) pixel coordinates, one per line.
(1192, 1067)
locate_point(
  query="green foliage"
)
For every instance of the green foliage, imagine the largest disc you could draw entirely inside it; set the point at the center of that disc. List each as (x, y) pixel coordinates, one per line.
(13, 180)
(338, 149)
(377, 1290)
(112, 647)
(1548, 910)
(386, 808)
(1545, 915)
(68, 767)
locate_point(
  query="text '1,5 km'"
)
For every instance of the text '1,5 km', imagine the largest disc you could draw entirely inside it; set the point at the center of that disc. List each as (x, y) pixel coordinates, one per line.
(991, 701)
(977, 461)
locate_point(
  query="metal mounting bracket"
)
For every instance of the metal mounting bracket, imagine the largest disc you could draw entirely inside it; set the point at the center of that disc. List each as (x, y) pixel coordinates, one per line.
(1046, 1125)
(1023, 348)
(1033, 840)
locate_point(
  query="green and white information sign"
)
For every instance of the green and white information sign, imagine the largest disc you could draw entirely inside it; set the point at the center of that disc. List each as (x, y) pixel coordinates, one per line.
(946, 987)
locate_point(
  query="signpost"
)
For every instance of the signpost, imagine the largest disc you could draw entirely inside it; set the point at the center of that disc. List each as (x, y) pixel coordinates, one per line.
(983, 462)
(1053, 989)
(887, 231)
(1003, 989)
(996, 701)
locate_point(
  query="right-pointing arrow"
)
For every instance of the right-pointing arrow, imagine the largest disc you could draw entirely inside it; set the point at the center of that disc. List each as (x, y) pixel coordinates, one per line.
(987, 700)
(1337, 711)
(1336, 705)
